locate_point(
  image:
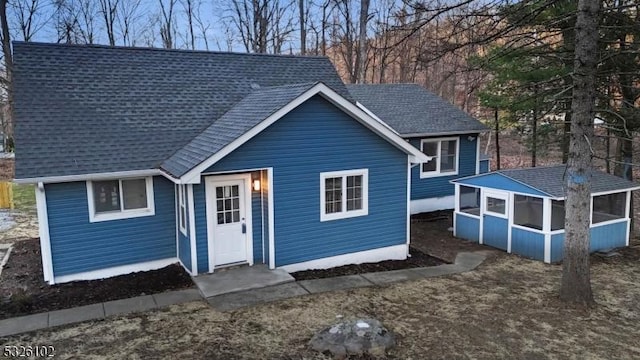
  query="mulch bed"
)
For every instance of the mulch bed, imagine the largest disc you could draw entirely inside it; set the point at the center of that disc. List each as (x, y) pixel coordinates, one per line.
(417, 259)
(23, 290)
(6, 169)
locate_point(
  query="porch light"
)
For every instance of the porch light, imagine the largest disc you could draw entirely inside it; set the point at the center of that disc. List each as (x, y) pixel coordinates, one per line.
(256, 185)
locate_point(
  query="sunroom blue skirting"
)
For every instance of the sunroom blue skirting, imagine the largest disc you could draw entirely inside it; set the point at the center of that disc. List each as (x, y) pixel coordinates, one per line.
(527, 243)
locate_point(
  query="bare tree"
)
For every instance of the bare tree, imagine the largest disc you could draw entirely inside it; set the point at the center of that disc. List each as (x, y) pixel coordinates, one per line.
(7, 123)
(263, 25)
(576, 279)
(167, 30)
(127, 20)
(30, 16)
(361, 55)
(109, 11)
(303, 28)
(188, 6)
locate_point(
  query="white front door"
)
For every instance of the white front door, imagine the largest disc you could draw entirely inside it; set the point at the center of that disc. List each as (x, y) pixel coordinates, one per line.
(228, 220)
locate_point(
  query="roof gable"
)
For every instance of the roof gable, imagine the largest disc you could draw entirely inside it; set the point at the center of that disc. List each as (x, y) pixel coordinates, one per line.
(411, 110)
(97, 109)
(201, 153)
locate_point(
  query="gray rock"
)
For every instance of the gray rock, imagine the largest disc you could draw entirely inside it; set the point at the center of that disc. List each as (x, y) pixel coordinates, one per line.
(354, 337)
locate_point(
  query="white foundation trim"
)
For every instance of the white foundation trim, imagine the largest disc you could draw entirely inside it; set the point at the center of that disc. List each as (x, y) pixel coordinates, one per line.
(192, 230)
(433, 204)
(43, 228)
(396, 252)
(116, 270)
(547, 248)
(408, 204)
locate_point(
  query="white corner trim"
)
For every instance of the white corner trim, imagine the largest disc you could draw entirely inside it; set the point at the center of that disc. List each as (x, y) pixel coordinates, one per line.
(344, 214)
(193, 175)
(94, 176)
(418, 206)
(116, 270)
(477, 155)
(43, 228)
(547, 248)
(192, 230)
(150, 210)
(270, 214)
(396, 252)
(175, 198)
(180, 201)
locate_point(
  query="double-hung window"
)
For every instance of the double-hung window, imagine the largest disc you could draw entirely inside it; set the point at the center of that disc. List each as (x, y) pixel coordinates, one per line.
(344, 194)
(444, 157)
(120, 199)
(182, 209)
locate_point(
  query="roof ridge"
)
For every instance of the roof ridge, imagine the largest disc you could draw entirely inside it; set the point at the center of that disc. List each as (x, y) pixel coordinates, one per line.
(145, 48)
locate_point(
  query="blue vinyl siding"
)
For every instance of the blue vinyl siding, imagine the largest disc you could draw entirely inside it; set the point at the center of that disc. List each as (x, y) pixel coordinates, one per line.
(317, 137)
(484, 166)
(200, 208)
(256, 218)
(527, 243)
(500, 182)
(495, 232)
(184, 243)
(78, 245)
(467, 227)
(602, 238)
(608, 236)
(440, 186)
(557, 243)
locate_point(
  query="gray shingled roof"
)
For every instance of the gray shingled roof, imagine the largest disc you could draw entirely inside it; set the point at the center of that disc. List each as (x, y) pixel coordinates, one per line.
(410, 109)
(92, 109)
(246, 114)
(551, 180)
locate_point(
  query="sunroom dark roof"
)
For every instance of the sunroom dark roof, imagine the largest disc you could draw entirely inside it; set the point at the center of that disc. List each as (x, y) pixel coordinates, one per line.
(410, 109)
(83, 109)
(551, 180)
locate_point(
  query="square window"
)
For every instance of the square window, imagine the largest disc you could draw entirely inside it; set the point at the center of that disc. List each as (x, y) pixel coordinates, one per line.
(444, 157)
(134, 194)
(343, 194)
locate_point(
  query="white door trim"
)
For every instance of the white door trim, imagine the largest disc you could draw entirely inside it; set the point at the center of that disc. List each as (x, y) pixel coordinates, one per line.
(210, 181)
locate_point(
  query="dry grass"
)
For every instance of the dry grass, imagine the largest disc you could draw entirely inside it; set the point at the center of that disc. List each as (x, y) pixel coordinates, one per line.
(507, 308)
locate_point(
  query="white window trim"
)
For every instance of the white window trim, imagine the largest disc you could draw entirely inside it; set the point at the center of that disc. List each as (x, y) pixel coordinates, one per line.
(437, 172)
(182, 209)
(150, 210)
(496, 195)
(344, 214)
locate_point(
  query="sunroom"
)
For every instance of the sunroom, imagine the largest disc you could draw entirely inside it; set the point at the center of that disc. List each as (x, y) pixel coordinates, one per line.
(522, 211)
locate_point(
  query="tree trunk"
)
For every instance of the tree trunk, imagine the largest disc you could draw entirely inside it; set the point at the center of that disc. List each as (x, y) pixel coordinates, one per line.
(8, 66)
(303, 30)
(497, 139)
(566, 136)
(362, 41)
(534, 130)
(576, 281)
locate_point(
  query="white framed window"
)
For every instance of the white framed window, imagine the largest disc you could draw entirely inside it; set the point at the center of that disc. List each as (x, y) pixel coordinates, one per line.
(496, 203)
(344, 194)
(120, 199)
(182, 209)
(444, 157)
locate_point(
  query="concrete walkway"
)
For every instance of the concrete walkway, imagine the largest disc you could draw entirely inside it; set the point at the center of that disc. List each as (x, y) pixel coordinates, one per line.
(279, 287)
(464, 262)
(98, 311)
(242, 278)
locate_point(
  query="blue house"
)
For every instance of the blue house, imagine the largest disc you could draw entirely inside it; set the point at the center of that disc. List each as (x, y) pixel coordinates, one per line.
(147, 157)
(522, 211)
(440, 130)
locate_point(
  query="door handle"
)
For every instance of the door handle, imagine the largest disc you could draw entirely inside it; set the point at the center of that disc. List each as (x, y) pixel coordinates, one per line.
(244, 228)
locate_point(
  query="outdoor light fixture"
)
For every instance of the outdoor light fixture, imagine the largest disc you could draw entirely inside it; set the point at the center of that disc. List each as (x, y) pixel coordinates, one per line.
(256, 185)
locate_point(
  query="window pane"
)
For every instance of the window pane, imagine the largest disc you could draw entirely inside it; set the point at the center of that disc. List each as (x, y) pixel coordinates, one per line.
(333, 195)
(354, 191)
(106, 196)
(134, 194)
(448, 156)
(527, 211)
(429, 166)
(496, 205)
(609, 207)
(470, 200)
(183, 218)
(227, 217)
(430, 148)
(557, 215)
(220, 205)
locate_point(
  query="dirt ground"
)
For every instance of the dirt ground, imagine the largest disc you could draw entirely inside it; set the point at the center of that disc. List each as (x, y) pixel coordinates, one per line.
(507, 308)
